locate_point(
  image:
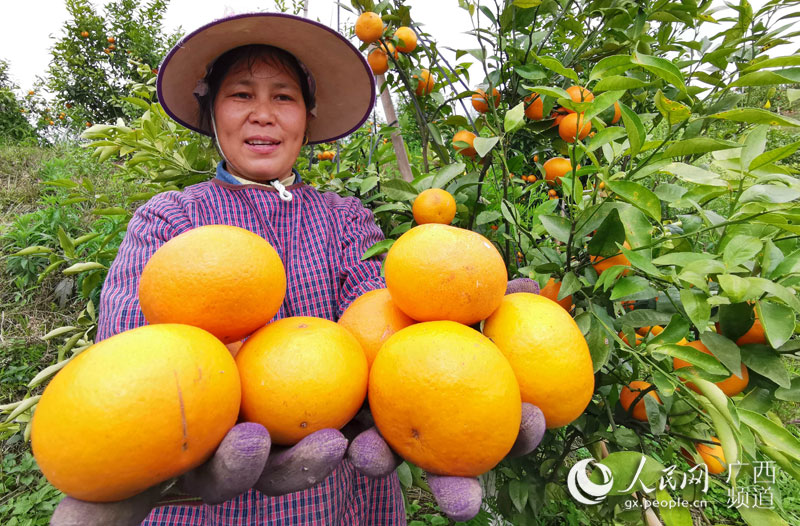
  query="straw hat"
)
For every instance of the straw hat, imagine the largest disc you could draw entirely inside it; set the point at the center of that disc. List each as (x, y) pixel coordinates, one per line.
(344, 85)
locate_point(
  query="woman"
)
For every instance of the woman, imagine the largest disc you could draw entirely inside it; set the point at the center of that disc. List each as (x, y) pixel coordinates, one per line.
(262, 85)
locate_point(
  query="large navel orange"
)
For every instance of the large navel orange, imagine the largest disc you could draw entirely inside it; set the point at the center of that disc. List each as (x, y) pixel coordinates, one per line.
(300, 375)
(134, 410)
(441, 272)
(548, 353)
(445, 398)
(224, 279)
(372, 318)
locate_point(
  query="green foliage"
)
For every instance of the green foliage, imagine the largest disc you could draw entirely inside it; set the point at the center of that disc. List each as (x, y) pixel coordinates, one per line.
(13, 124)
(89, 74)
(28, 499)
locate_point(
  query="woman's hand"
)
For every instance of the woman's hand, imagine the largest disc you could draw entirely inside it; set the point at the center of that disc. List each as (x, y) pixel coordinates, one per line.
(242, 461)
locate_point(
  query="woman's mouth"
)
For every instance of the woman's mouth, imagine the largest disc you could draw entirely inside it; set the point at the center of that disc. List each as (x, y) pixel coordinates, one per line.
(262, 146)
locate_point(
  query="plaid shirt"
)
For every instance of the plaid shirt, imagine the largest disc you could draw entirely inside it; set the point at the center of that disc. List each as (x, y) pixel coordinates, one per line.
(320, 239)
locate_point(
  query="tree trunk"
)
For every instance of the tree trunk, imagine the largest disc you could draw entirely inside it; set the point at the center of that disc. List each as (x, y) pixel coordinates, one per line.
(397, 138)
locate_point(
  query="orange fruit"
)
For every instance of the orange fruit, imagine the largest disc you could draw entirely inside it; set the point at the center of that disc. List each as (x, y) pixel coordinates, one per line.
(579, 94)
(434, 205)
(480, 100)
(568, 127)
(372, 318)
(556, 168)
(85, 34)
(548, 354)
(407, 38)
(551, 291)
(425, 83)
(369, 27)
(617, 113)
(558, 115)
(467, 137)
(552, 193)
(445, 398)
(378, 61)
(441, 272)
(753, 335)
(111, 40)
(135, 410)
(731, 386)
(534, 107)
(629, 393)
(713, 456)
(300, 375)
(625, 338)
(536, 158)
(601, 264)
(389, 49)
(224, 279)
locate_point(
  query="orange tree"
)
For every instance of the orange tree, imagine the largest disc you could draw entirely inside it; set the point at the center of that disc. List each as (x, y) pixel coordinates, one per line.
(678, 215)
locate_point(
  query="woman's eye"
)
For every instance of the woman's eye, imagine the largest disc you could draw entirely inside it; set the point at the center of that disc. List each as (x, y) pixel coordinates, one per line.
(241, 94)
(284, 96)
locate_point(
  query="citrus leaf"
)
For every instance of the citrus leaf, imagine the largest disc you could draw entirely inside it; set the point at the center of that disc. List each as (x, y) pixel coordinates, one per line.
(610, 232)
(741, 249)
(514, 118)
(628, 286)
(689, 354)
(724, 350)
(674, 112)
(556, 226)
(518, 492)
(624, 466)
(771, 433)
(767, 363)
(698, 145)
(662, 68)
(555, 65)
(756, 116)
(774, 155)
(790, 394)
(634, 128)
(639, 196)
(672, 514)
(378, 248)
(778, 321)
(610, 66)
(487, 216)
(768, 78)
(618, 82)
(550, 91)
(697, 308)
(399, 190)
(769, 193)
(484, 145)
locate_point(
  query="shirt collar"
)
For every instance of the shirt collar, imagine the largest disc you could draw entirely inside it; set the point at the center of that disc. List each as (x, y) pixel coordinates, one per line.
(226, 177)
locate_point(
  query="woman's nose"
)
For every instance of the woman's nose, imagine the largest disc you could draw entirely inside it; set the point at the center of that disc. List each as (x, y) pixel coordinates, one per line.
(263, 112)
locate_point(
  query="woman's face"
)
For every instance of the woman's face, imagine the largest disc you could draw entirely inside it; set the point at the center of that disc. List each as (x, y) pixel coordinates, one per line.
(261, 120)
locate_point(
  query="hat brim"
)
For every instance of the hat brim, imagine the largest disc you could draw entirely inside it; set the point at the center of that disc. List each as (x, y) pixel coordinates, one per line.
(345, 86)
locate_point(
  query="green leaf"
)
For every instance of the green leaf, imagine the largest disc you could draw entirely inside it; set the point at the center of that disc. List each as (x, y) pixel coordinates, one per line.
(66, 243)
(641, 259)
(793, 60)
(756, 116)
(514, 118)
(674, 112)
(639, 196)
(111, 211)
(697, 308)
(447, 174)
(736, 288)
(550, 91)
(761, 517)
(610, 66)
(555, 65)
(777, 290)
(610, 232)
(569, 285)
(725, 350)
(790, 394)
(741, 249)
(399, 190)
(767, 363)
(487, 216)
(605, 136)
(624, 466)
(754, 145)
(769, 193)
(662, 68)
(774, 155)
(698, 145)
(689, 354)
(83, 267)
(404, 474)
(33, 251)
(628, 286)
(645, 318)
(634, 128)
(778, 321)
(768, 78)
(556, 226)
(378, 248)
(771, 433)
(618, 82)
(673, 514)
(484, 145)
(368, 184)
(681, 259)
(601, 103)
(518, 492)
(693, 174)
(676, 329)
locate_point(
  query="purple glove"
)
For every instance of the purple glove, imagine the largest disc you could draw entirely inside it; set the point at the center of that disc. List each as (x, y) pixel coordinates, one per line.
(242, 461)
(458, 497)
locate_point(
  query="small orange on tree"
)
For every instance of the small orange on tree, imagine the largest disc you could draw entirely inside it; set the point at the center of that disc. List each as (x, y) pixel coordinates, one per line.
(601, 263)
(434, 205)
(534, 107)
(369, 27)
(551, 290)
(378, 61)
(568, 127)
(407, 39)
(579, 94)
(468, 137)
(556, 168)
(630, 392)
(731, 386)
(480, 100)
